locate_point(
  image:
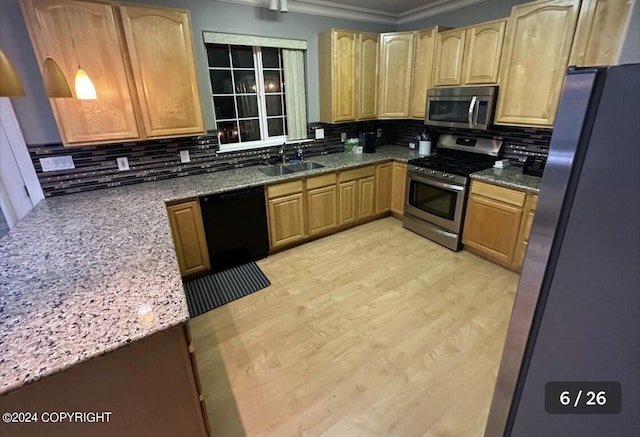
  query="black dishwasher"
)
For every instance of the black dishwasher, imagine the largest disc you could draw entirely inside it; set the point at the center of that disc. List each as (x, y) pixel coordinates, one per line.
(235, 224)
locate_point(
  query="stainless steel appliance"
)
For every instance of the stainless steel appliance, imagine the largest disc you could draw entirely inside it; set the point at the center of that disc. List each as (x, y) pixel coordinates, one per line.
(577, 309)
(464, 107)
(437, 187)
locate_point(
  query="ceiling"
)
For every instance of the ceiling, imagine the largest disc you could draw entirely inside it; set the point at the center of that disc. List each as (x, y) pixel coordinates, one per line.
(377, 11)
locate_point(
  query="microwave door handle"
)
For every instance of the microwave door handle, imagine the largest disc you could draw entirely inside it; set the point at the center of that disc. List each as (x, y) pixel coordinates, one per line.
(472, 105)
(476, 109)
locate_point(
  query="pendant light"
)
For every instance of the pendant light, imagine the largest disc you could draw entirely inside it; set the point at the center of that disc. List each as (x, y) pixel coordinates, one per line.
(10, 84)
(55, 84)
(283, 6)
(273, 5)
(85, 90)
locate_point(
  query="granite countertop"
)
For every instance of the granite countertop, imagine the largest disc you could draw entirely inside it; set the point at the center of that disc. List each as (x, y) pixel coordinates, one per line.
(87, 273)
(510, 177)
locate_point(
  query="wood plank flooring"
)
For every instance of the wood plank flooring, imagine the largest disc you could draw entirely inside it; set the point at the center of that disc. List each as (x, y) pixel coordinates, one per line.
(374, 331)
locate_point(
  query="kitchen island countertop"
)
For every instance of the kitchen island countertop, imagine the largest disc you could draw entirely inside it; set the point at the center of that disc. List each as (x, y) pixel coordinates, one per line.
(87, 273)
(510, 177)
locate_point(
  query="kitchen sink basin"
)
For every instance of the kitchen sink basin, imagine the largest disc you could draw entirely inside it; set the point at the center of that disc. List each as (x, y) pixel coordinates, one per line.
(307, 165)
(276, 170)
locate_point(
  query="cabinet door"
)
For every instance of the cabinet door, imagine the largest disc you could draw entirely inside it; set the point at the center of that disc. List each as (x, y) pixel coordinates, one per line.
(482, 52)
(161, 52)
(286, 220)
(398, 187)
(348, 198)
(422, 70)
(189, 238)
(383, 187)
(491, 227)
(55, 26)
(367, 78)
(396, 72)
(449, 53)
(535, 56)
(322, 209)
(366, 197)
(601, 28)
(344, 75)
(525, 229)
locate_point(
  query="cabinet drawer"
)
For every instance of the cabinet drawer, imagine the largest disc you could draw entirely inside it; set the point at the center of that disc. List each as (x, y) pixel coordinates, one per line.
(284, 189)
(321, 181)
(357, 173)
(506, 195)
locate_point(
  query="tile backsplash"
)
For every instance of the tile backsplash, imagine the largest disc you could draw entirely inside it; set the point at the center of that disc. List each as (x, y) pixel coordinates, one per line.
(96, 166)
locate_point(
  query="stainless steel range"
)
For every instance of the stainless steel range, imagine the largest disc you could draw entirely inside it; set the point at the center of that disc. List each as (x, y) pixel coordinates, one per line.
(437, 187)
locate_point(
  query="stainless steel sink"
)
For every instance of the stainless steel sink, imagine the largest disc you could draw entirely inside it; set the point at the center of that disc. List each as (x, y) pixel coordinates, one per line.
(276, 170)
(306, 165)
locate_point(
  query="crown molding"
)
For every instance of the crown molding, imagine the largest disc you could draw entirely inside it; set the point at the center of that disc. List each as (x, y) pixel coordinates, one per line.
(332, 9)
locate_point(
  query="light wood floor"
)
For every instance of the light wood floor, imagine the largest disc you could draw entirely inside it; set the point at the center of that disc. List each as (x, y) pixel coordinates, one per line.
(374, 331)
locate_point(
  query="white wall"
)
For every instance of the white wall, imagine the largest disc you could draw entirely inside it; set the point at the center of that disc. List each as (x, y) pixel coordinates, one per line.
(630, 53)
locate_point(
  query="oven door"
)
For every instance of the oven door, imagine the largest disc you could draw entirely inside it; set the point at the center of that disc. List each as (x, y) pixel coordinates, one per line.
(435, 201)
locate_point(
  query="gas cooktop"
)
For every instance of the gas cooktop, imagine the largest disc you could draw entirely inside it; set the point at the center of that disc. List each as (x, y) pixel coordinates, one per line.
(458, 165)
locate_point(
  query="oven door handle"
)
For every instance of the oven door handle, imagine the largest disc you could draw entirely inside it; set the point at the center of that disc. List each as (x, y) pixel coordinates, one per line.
(436, 183)
(472, 106)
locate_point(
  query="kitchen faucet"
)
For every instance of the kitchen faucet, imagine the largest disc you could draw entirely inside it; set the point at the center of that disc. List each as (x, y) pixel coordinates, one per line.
(283, 153)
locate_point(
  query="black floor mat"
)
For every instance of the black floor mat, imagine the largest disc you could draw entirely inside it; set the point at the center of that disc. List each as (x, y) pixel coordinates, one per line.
(216, 289)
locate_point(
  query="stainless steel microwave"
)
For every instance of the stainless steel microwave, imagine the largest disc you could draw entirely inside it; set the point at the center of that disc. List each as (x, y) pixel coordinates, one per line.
(465, 107)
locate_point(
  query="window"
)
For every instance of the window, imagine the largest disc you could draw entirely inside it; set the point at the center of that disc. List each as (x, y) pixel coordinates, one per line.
(248, 92)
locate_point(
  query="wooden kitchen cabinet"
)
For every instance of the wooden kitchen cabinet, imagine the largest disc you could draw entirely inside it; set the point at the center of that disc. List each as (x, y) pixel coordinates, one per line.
(356, 194)
(449, 55)
(498, 223)
(398, 188)
(99, 50)
(367, 75)
(322, 204)
(482, 53)
(162, 58)
(286, 213)
(396, 73)
(366, 197)
(535, 56)
(146, 86)
(185, 219)
(422, 70)
(383, 187)
(601, 29)
(348, 202)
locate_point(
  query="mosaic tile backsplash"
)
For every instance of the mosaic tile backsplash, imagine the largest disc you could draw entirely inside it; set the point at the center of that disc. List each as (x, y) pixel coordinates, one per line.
(96, 166)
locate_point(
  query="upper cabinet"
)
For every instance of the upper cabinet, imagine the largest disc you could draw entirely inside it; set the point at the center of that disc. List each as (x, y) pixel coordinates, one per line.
(91, 35)
(534, 61)
(449, 54)
(396, 73)
(422, 70)
(161, 52)
(600, 32)
(482, 52)
(348, 67)
(470, 55)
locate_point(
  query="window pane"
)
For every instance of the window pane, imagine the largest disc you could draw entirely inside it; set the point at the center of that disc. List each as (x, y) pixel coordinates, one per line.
(242, 56)
(221, 81)
(270, 58)
(272, 81)
(247, 106)
(250, 130)
(225, 108)
(245, 81)
(218, 55)
(227, 132)
(274, 105)
(275, 127)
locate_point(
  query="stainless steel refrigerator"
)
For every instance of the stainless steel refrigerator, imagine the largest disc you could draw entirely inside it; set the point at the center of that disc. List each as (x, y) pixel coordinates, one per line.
(571, 361)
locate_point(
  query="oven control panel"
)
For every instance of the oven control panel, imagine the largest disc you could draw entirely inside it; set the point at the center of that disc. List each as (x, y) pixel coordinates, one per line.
(436, 174)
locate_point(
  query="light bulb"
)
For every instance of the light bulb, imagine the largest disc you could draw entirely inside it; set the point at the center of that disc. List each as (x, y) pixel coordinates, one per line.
(84, 87)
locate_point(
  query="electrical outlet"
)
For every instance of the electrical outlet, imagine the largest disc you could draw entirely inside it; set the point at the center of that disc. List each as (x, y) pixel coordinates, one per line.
(123, 163)
(184, 156)
(319, 133)
(379, 132)
(343, 137)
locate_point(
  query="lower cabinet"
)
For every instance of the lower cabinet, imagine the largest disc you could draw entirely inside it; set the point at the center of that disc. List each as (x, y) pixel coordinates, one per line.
(366, 197)
(348, 195)
(189, 238)
(498, 222)
(383, 187)
(286, 213)
(398, 188)
(357, 194)
(322, 204)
